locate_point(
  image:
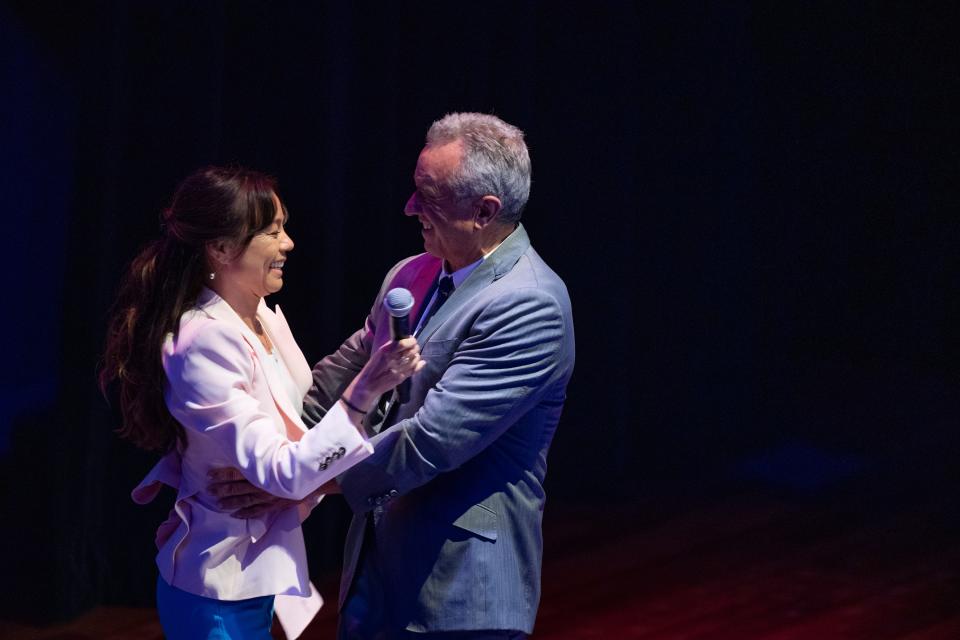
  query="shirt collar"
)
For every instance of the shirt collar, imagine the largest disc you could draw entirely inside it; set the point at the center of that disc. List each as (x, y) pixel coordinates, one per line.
(462, 274)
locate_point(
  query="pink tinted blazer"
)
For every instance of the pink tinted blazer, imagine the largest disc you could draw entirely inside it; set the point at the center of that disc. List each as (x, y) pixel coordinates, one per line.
(236, 412)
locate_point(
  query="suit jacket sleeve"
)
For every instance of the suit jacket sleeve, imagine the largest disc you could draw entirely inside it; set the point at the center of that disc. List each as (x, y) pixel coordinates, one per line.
(211, 376)
(499, 371)
(332, 374)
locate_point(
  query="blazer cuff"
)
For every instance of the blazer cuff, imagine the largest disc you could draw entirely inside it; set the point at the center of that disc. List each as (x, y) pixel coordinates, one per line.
(336, 443)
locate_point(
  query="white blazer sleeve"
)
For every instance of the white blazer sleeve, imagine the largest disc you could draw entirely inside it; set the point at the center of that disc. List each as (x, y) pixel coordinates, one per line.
(211, 372)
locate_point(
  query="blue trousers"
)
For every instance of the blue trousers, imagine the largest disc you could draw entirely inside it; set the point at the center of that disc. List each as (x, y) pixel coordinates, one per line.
(185, 616)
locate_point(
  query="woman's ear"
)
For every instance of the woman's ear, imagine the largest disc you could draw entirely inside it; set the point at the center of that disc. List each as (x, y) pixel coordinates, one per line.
(219, 252)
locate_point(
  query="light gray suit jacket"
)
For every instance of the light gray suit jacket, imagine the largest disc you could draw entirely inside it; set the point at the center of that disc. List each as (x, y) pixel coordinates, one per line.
(457, 475)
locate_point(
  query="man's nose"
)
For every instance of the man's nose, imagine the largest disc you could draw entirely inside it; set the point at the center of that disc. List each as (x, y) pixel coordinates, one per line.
(412, 207)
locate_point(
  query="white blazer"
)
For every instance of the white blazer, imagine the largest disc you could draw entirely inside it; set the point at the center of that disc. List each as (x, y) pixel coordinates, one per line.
(238, 413)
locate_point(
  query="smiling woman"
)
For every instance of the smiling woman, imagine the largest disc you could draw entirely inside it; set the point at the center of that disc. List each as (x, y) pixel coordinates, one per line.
(216, 213)
(244, 274)
(259, 269)
(211, 377)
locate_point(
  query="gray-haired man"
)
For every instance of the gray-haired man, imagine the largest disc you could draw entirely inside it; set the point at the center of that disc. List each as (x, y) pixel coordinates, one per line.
(446, 537)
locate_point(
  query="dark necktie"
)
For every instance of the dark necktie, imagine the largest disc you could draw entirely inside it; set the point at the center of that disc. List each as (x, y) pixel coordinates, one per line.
(444, 289)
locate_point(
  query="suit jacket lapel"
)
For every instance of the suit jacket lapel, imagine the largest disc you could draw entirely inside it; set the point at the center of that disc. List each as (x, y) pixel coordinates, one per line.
(419, 278)
(422, 284)
(490, 270)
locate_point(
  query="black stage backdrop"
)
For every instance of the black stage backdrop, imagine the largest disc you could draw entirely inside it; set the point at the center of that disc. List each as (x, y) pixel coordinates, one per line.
(754, 207)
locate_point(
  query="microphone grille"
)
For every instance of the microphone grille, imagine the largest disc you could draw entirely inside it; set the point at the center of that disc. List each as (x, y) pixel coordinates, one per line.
(398, 302)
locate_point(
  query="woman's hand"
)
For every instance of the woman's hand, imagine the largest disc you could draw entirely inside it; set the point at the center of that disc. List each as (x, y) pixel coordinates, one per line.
(389, 365)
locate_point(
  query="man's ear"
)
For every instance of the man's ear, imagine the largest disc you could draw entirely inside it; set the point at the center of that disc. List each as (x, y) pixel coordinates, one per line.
(489, 207)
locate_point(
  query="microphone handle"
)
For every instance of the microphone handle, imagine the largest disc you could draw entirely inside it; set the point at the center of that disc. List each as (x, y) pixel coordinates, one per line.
(399, 329)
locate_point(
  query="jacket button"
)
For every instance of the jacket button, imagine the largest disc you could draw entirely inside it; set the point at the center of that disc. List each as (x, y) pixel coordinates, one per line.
(323, 466)
(342, 451)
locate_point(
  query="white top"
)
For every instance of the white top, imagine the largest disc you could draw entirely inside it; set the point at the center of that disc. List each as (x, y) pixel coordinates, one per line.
(282, 373)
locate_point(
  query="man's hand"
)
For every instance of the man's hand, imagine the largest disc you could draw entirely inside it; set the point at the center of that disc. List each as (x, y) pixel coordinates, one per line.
(241, 499)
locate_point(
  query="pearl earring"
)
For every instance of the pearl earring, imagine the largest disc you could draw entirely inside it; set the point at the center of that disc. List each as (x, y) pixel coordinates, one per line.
(212, 275)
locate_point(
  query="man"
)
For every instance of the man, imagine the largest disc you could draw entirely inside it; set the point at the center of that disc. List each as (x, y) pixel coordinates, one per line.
(446, 537)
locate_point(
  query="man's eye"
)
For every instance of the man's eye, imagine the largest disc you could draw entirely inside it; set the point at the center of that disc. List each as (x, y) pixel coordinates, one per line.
(427, 202)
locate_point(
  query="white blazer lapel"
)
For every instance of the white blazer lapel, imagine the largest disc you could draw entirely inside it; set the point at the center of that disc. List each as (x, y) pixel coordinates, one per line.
(279, 331)
(277, 388)
(291, 357)
(218, 308)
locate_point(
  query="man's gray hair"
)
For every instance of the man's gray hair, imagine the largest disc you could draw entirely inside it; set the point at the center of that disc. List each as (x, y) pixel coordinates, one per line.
(495, 160)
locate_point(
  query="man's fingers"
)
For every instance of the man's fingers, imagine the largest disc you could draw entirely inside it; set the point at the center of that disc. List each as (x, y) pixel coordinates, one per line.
(231, 488)
(242, 501)
(232, 503)
(260, 508)
(224, 474)
(251, 512)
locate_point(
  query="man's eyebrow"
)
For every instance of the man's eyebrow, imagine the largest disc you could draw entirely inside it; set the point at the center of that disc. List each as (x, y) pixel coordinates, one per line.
(424, 181)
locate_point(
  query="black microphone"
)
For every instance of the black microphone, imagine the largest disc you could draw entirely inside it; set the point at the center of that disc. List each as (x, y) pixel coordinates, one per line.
(398, 303)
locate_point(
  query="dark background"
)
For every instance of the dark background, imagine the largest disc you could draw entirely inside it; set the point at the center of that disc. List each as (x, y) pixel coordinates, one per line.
(754, 207)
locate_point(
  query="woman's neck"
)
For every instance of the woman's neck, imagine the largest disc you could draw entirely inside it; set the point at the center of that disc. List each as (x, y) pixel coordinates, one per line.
(244, 304)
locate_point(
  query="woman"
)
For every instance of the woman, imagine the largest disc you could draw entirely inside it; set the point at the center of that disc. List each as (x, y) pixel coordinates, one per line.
(210, 376)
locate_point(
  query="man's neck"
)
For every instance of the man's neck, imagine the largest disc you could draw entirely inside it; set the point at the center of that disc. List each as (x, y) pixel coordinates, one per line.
(501, 233)
(491, 239)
